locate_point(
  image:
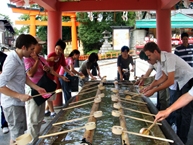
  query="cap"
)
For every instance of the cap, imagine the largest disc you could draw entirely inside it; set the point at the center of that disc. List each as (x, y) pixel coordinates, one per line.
(39, 40)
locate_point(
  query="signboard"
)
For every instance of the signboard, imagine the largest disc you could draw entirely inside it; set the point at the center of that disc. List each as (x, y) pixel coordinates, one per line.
(121, 37)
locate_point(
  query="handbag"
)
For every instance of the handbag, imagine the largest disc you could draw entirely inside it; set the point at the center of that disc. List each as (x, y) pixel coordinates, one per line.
(73, 84)
(48, 84)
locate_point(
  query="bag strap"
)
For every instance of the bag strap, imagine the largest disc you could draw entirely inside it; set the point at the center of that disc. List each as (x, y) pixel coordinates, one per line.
(41, 60)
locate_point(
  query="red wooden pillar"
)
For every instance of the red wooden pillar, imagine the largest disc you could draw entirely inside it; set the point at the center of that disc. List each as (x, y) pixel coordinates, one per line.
(163, 30)
(54, 33)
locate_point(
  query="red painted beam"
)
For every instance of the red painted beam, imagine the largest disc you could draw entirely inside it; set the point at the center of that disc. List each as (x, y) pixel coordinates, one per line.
(47, 4)
(107, 5)
(168, 4)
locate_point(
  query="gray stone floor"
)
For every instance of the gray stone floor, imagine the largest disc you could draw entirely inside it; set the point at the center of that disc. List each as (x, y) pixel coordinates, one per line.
(111, 73)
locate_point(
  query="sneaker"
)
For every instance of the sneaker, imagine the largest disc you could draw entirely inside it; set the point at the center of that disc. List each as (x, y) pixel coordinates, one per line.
(52, 115)
(47, 113)
(5, 130)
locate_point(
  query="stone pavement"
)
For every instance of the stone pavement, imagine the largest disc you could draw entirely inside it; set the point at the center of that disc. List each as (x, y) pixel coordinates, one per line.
(108, 68)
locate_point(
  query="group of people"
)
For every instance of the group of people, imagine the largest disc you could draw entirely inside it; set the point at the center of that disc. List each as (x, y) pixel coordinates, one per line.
(25, 65)
(21, 71)
(174, 77)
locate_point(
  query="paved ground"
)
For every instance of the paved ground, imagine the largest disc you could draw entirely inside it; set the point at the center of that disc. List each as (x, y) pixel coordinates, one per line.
(108, 68)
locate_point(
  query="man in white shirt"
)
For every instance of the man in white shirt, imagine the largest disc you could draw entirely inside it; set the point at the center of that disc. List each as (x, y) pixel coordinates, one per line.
(12, 84)
(173, 69)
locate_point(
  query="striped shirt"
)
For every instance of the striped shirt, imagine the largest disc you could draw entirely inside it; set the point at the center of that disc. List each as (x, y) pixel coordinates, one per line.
(186, 53)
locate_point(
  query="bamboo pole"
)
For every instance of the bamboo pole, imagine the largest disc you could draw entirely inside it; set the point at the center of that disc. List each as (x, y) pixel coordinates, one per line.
(88, 134)
(124, 136)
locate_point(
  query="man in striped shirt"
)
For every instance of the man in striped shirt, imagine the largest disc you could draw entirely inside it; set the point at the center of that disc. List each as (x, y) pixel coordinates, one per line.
(185, 50)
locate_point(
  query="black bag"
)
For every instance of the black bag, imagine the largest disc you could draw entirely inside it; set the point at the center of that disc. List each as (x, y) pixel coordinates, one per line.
(48, 84)
(73, 84)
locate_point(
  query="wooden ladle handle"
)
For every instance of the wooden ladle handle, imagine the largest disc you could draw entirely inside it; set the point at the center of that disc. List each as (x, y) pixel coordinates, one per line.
(154, 123)
(62, 132)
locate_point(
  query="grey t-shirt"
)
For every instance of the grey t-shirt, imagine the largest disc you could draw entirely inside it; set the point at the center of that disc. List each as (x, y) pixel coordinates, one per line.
(87, 65)
(124, 63)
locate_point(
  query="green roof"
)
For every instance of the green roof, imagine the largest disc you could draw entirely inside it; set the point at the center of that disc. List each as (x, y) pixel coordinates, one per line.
(178, 20)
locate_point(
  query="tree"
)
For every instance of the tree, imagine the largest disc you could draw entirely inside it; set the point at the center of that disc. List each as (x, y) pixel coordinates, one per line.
(93, 24)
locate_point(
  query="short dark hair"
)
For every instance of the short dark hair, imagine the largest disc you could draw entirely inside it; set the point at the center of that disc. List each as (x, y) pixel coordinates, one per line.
(93, 57)
(143, 56)
(75, 51)
(184, 34)
(61, 43)
(151, 46)
(25, 40)
(125, 48)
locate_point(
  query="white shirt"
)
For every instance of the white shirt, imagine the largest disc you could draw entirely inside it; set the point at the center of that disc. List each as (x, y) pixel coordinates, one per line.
(173, 63)
(13, 76)
(157, 67)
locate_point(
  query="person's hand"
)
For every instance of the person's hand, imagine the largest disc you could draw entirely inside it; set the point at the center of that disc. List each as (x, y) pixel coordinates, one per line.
(93, 78)
(24, 97)
(41, 90)
(46, 68)
(71, 73)
(161, 115)
(132, 70)
(34, 56)
(65, 79)
(145, 89)
(149, 93)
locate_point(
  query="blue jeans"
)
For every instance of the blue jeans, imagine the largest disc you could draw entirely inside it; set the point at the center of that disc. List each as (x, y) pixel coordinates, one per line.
(66, 89)
(3, 121)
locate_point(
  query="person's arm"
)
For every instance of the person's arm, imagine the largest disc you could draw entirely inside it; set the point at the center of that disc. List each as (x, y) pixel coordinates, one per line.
(119, 68)
(181, 102)
(120, 72)
(90, 74)
(143, 77)
(34, 86)
(58, 76)
(162, 83)
(33, 69)
(99, 74)
(133, 65)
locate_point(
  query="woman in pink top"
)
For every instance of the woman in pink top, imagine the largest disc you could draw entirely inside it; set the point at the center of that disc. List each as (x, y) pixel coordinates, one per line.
(35, 68)
(70, 60)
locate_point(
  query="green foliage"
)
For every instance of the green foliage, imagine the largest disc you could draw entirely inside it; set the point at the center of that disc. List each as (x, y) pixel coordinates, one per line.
(90, 32)
(96, 51)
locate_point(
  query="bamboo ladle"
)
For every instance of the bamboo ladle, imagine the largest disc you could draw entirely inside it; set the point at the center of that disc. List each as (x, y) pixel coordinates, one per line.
(88, 126)
(96, 114)
(116, 98)
(55, 92)
(118, 130)
(116, 113)
(119, 106)
(114, 90)
(146, 131)
(96, 100)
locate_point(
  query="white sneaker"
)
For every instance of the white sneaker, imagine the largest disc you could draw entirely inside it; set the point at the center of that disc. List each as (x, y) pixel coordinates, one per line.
(5, 130)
